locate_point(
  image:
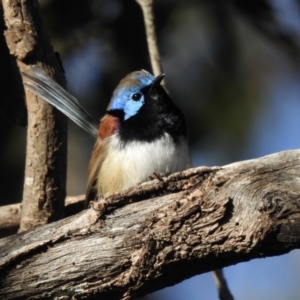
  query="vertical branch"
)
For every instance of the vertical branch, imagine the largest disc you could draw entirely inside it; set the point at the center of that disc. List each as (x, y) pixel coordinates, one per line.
(147, 8)
(221, 284)
(45, 170)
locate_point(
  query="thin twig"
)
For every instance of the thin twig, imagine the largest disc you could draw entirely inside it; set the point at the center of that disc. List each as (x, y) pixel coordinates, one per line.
(221, 284)
(147, 8)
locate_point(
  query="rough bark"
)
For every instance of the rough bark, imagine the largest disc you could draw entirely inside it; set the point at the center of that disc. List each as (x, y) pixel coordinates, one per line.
(45, 170)
(160, 233)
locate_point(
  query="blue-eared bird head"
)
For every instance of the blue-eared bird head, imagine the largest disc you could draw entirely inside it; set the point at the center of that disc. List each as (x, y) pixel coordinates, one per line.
(129, 96)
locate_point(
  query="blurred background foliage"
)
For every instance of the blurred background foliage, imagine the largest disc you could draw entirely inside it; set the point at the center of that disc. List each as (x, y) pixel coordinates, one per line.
(232, 67)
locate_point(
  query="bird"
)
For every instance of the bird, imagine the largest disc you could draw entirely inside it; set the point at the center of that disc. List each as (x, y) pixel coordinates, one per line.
(142, 133)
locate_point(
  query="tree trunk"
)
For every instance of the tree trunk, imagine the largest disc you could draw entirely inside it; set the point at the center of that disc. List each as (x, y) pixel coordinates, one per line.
(159, 233)
(46, 153)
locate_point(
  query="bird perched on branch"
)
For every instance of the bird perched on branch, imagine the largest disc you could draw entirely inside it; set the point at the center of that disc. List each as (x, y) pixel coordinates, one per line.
(143, 131)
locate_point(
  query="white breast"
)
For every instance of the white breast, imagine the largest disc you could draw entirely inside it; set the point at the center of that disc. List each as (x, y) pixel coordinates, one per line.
(125, 166)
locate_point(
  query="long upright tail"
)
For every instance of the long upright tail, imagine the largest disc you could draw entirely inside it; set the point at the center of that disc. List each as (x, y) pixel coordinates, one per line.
(45, 87)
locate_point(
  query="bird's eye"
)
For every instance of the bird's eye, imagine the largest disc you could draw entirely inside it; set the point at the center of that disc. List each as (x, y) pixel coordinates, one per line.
(136, 96)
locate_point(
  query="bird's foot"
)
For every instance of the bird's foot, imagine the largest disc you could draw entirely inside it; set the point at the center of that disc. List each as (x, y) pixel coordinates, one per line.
(158, 176)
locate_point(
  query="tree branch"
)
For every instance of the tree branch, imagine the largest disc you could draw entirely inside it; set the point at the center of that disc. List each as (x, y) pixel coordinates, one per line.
(160, 232)
(45, 170)
(10, 215)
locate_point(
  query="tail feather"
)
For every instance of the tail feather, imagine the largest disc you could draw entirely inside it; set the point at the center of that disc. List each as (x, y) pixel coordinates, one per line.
(45, 87)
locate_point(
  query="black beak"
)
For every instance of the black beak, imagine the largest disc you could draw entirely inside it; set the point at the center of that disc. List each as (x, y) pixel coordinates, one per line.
(158, 79)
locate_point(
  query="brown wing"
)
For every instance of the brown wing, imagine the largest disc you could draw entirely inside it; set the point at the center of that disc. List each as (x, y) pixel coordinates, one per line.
(93, 171)
(108, 127)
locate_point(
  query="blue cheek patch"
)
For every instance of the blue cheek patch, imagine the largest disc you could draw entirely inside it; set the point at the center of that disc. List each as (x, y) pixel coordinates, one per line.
(122, 101)
(132, 107)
